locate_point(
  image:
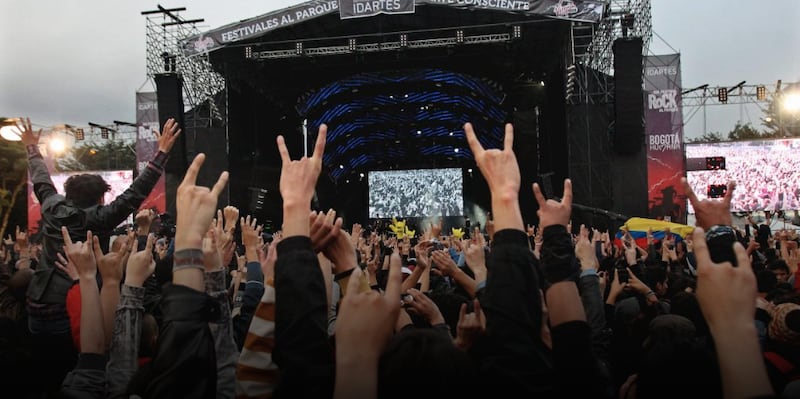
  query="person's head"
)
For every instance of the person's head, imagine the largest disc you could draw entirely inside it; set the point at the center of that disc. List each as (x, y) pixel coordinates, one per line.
(784, 328)
(86, 190)
(425, 360)
(766, 281)
(656, 279)
(780, 269)
(147, 345)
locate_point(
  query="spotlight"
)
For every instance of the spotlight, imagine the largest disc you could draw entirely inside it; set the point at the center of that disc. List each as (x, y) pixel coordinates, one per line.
(361, 174)
(92, 151)
(722, 95)
(248, 52)
(516, 32)
(57, 145)
(456, 150)
(761, 93)
(469, 170)
(460, 36)
(419, 132)
(451, 133)
(341, 166)
(791, 102)
(351, 44)
(298, 48)
(403, 40)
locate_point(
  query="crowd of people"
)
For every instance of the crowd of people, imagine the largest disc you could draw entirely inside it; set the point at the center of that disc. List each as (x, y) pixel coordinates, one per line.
(767, 173)
(324, 311)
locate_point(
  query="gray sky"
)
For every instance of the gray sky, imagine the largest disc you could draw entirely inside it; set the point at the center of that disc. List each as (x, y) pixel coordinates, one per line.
(69, 61)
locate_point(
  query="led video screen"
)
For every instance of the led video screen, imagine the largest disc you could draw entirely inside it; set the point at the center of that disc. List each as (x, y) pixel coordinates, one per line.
(767, 173)
(416, 193)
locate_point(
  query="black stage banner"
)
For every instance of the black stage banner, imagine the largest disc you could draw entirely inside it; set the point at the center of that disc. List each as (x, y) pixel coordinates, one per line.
(367, 8)
(576, 10)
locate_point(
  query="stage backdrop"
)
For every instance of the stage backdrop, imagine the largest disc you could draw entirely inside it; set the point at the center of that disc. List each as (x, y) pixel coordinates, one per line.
(664, 128)
(147, 146)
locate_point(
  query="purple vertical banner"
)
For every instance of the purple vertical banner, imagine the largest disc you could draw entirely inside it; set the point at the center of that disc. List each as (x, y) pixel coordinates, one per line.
(664, 129)
(147, 146)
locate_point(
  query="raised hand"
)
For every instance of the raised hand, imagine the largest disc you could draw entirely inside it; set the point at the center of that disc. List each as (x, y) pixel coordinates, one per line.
(710, 212)
(231, 214)
(324, 227)
(81, 254)
(340, 250)
(166, 139)
(140, 264)
(553, 212)
(470, 327)
(212, 258)
(195, 206)
(297, 183)
(499, 167)
(67, 267)
(444, 262)
(584, 250)
(110, 264)
(26, 132)
(251, 234)
(422, 305)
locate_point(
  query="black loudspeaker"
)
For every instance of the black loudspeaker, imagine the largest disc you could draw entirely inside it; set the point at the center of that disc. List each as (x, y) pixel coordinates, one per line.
(628, 138)
(169, 87)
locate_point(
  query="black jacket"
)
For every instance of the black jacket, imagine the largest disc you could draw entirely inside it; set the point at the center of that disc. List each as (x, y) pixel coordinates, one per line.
(49, 284)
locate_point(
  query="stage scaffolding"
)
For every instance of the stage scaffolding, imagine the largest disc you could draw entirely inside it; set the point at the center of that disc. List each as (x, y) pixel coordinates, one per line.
(203, 88)
(591, 61)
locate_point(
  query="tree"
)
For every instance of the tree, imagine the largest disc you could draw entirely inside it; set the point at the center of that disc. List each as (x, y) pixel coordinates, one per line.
(713, 137)
(743, 132)
(108, 155)
(13, 178)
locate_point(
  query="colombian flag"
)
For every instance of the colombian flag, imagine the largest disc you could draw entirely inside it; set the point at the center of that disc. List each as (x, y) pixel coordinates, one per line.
(638, 228)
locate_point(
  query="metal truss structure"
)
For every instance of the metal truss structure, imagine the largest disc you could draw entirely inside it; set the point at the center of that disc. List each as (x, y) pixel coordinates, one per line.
(592, 49)
(402, 43)
(165, 30)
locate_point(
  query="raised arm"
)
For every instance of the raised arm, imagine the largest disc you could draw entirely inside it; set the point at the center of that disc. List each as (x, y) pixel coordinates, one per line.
(302, 351)
(88, 377)
(43, 185)
(127, 202)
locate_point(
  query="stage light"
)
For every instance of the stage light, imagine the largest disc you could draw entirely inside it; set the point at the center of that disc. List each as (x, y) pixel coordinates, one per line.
(516, 32)
(93, 152)
(761, 93)
(104, 133)
(361, 175)
(791, 102)
(341, 166)
(768, 119)
(403, 40)
(419, 132)
(298, 48)
(456, 150)
(248, 52)
(451, 133)
(351, 44)
(722, 95)
(57, 145)
(79, 135)
(469, 170)
(460, 36)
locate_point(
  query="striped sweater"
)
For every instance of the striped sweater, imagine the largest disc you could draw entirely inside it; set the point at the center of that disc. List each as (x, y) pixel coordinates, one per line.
(256, 373)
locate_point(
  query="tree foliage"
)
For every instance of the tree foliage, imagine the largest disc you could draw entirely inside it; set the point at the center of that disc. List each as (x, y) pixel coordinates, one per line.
(93, 156)
(13, 177)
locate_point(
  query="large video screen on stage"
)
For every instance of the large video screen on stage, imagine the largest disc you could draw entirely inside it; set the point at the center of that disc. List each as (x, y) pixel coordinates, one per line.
(416, 193)
(767, 173)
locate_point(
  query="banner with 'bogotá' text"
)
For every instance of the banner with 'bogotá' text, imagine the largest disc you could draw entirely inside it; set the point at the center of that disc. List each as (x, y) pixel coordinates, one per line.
(147, 146)
(664, 129)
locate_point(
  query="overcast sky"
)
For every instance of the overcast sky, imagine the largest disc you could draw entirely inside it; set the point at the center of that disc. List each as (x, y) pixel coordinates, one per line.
(70, 61)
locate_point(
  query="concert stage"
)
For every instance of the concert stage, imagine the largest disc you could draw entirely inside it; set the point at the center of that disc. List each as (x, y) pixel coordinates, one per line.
(395, 90)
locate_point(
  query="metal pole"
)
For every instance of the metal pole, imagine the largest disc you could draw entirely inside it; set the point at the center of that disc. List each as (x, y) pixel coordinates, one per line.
(305, 137)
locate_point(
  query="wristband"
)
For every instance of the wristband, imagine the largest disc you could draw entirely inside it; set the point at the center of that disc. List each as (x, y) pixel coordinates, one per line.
(188, 259)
